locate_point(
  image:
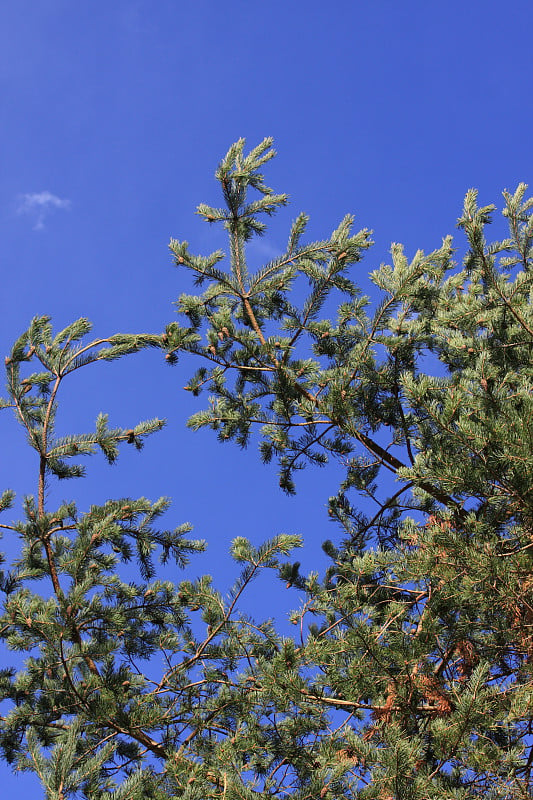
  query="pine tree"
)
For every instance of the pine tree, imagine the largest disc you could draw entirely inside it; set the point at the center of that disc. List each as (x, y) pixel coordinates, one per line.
(409, 677)
(124, 694)
(420, 642)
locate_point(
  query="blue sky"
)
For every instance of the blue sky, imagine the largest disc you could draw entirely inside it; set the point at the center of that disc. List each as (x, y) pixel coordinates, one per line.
(114, 116)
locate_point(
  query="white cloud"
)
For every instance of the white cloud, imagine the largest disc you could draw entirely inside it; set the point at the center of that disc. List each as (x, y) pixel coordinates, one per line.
(263, 247)
(39, 205)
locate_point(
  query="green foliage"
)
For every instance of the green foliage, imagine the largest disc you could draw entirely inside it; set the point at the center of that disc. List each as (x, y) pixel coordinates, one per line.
(124, 680)
(409, 675)
(420, 634)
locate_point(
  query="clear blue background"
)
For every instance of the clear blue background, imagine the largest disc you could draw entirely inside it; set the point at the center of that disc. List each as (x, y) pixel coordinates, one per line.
(122, 110)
